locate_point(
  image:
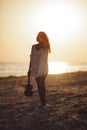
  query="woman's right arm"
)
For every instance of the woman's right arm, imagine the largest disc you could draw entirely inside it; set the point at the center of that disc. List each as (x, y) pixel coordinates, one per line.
(29, 70)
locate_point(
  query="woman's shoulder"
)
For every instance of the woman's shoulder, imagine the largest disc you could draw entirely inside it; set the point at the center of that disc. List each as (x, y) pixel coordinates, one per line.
(33, 46)
(36, 46)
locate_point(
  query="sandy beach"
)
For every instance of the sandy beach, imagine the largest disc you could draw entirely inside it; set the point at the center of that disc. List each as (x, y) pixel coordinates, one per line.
(66, 96)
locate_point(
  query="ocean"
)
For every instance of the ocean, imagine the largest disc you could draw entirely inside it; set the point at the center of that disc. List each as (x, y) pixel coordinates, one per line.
(20, 69)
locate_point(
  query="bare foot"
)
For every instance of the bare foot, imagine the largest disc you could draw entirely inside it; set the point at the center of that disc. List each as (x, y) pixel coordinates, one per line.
(45, 106)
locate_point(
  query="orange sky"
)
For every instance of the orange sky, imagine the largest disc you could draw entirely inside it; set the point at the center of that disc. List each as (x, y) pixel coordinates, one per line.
(65, 22)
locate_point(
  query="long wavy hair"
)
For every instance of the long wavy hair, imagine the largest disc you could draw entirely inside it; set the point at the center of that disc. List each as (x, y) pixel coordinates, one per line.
(43, 38)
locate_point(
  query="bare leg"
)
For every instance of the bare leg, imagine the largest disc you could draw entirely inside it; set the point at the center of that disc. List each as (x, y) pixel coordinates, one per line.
(41, 89)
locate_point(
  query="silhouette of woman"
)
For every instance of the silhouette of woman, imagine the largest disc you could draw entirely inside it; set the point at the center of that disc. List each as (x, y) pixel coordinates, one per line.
(39, 63)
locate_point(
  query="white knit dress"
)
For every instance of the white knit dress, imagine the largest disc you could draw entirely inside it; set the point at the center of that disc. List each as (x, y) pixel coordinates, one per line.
(39, 62)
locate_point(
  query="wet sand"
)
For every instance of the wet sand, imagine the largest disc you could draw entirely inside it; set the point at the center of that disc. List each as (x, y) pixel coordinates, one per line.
(66, 96)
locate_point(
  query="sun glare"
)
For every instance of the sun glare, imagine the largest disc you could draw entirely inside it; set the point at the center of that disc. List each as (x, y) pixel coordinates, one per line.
(62, 20)
(57, 67)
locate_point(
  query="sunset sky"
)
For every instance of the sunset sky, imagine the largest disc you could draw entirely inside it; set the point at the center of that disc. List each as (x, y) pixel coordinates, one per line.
(64, 21)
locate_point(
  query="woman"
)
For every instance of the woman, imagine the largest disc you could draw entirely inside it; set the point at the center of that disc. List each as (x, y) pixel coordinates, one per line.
(39, 63)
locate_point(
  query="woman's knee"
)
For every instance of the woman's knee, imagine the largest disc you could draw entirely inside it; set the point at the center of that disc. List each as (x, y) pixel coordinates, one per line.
(38, 81)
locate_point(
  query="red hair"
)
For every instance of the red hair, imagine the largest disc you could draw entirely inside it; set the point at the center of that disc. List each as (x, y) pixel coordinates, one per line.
(42, 38)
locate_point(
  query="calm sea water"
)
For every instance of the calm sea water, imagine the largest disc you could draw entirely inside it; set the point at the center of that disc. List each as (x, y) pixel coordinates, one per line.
(20, 69)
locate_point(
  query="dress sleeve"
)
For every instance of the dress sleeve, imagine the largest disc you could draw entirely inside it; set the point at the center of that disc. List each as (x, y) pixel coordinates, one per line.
(32, 49)
(31, 57)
